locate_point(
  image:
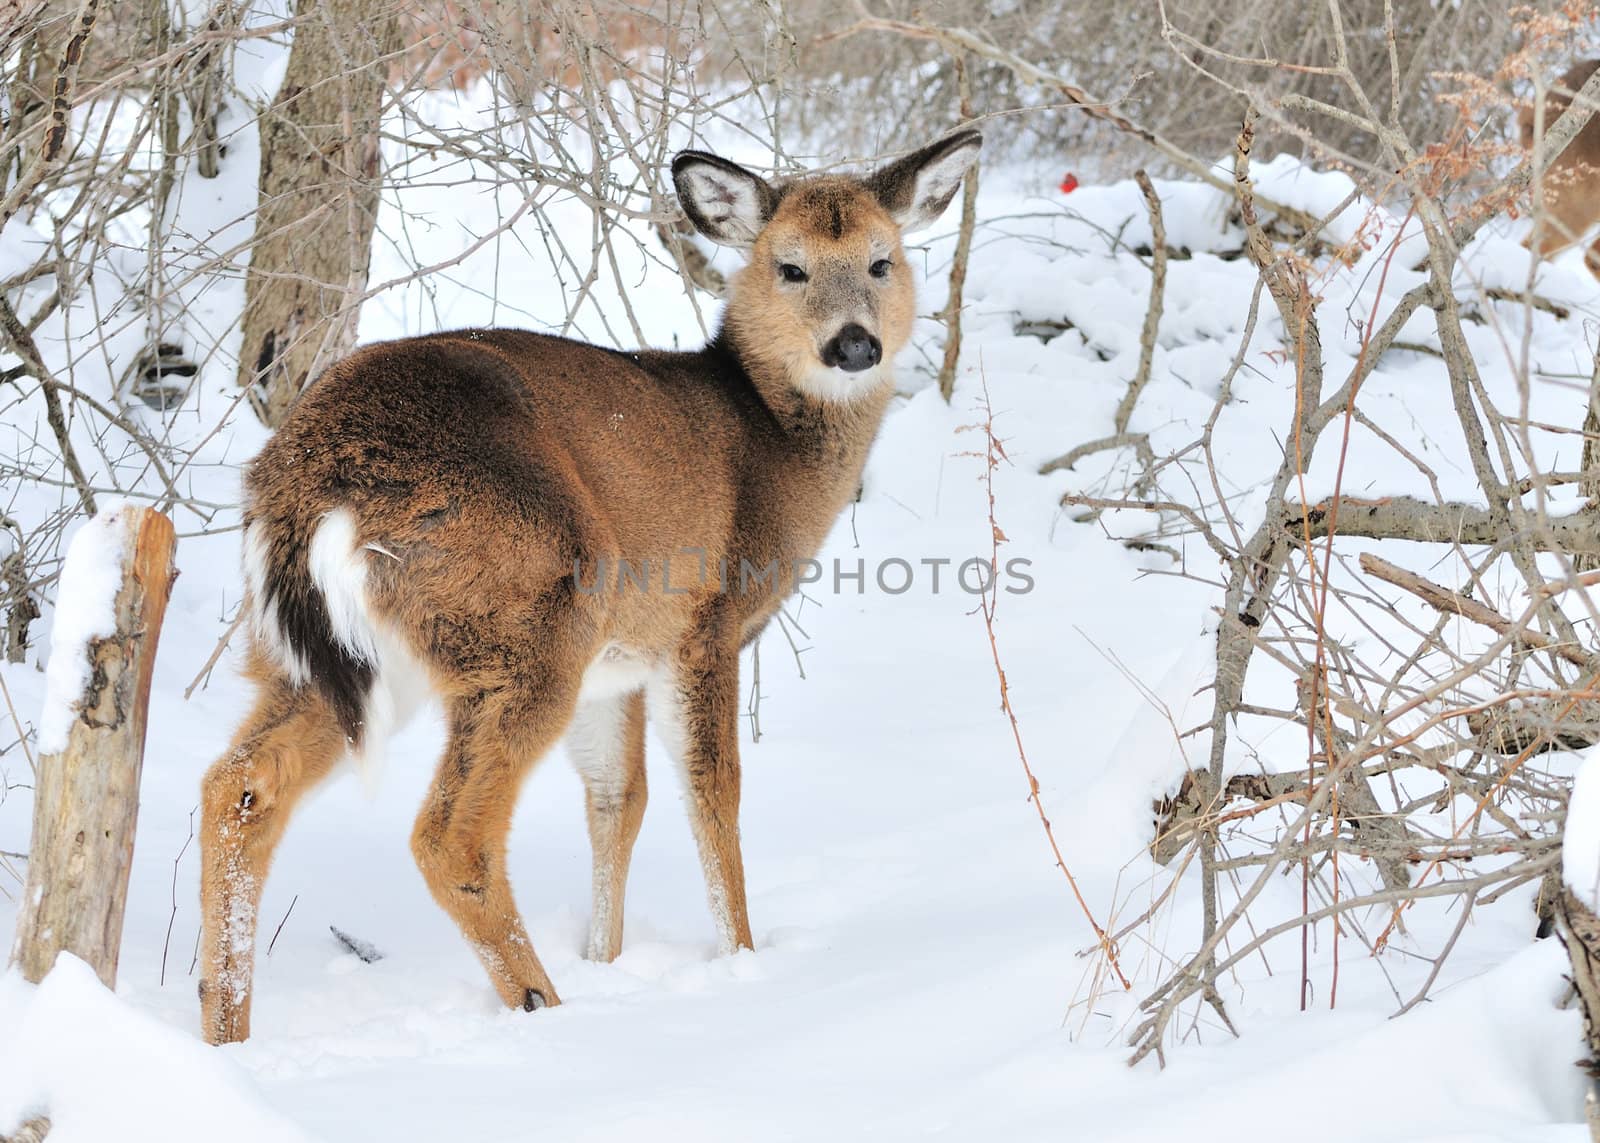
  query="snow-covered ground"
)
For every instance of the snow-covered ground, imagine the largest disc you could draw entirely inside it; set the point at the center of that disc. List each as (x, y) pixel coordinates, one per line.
(918, 970)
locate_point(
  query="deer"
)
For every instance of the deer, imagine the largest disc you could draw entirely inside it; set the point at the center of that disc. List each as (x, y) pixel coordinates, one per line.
(434, 518)
(1571, 184)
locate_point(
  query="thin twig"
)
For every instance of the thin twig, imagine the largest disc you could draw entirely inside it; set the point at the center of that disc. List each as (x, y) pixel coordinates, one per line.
(273, 942)
(993, 455)
(1152, 315)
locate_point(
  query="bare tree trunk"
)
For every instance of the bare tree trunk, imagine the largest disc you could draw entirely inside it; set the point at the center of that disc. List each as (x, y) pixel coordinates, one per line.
(1590, 466)
(86, 798)
(48, 92)
(319, 183)
(951, 315)
(17, 603)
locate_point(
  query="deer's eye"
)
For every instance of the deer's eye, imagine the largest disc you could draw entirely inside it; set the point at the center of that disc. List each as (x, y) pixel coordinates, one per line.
(880, 268)
(789, 272)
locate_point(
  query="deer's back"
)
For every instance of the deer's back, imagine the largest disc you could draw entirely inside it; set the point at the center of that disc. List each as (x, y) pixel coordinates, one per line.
(1585, 149)
(527, 429)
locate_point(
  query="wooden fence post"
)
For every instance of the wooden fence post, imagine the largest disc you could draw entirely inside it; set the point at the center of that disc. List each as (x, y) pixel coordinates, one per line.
(86, 792)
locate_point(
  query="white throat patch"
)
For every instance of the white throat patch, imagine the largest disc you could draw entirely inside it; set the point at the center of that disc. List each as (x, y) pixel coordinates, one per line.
(825, 384)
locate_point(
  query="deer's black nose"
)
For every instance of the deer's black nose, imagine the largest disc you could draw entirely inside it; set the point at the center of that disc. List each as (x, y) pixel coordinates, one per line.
(852, 349)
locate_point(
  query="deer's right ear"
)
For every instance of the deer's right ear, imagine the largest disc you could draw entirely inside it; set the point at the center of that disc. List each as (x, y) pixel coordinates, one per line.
(726, 203)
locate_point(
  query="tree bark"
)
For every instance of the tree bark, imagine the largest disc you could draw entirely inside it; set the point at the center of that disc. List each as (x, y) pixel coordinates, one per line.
(1580, 930)
(32, 1131)
(951, 314)
(1589, 484)
(17, 601)
(1425, 522)
(86, 798)
(319, 185)
(45, 85)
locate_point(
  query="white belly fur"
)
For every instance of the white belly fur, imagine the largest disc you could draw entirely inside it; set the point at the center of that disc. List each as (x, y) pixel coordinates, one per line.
(617, 670)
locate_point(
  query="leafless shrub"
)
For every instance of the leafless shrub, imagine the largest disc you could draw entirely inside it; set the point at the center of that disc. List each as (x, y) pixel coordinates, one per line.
(1142, 58)
(1432, 713)
(878, 93)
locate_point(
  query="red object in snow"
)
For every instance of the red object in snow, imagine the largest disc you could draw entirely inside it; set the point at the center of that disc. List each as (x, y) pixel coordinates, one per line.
(1069, 184)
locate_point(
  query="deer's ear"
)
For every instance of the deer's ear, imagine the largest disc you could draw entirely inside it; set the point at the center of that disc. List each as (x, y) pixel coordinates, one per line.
(916, 189)
(726, 203)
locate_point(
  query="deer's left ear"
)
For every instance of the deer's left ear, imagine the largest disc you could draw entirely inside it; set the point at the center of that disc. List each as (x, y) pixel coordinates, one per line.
(916, 189)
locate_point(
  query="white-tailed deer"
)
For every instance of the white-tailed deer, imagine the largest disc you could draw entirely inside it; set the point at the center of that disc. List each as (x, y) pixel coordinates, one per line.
(1571, 185)
(531, 530)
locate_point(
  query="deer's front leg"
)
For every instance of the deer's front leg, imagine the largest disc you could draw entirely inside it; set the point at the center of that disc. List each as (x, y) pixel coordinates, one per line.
(695, 707)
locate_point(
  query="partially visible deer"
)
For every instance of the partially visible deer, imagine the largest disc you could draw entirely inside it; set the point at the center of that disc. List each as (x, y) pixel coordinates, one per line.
(447, 514)
(1571, 185)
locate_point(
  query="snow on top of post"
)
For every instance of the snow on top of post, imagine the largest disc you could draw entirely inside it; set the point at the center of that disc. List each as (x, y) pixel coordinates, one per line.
(1580, 848)
(86, 609)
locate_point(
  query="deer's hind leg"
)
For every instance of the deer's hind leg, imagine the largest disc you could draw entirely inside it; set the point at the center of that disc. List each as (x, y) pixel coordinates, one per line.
(290, 741)
(460, 837)
(606, 743)
(1571, 208)
(1591, 257)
